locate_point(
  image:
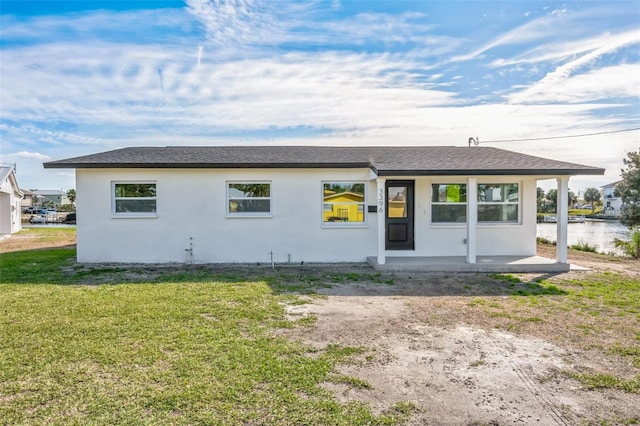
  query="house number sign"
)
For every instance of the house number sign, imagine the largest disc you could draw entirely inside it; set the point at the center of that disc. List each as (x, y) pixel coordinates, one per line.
(380, 200)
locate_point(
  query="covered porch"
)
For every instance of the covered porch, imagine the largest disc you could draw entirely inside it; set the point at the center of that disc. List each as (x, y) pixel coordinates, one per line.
(389, 260)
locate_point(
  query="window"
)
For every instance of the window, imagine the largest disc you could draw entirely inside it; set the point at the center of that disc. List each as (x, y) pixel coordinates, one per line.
(343, 202)
(448, 203)
(498, 202)
(135, 198)
(397, 201)
(249, 198)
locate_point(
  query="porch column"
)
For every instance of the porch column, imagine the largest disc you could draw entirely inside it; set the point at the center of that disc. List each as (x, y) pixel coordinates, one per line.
(472, 218)
(562, 212)
(380, 199)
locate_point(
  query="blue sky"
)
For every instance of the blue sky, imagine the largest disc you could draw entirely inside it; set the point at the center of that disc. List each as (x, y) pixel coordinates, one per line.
(79, 77)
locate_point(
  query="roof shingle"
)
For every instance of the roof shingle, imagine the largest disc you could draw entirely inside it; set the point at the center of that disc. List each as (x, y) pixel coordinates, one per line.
(384, 160)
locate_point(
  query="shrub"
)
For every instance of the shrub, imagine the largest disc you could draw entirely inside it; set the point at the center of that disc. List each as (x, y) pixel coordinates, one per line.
(630, 248)
(541, 240)
(584, 246)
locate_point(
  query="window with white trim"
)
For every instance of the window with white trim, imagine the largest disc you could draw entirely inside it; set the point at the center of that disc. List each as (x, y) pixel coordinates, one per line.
(448, 203)
(249, 198)
(343, 202)
(134, 198)
(498, 202)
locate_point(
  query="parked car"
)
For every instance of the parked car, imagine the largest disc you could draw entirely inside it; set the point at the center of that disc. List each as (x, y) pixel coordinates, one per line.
(39, 210)
(37, 219)
(70, 219)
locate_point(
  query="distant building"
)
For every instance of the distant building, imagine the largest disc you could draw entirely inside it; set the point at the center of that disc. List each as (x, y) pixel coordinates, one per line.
(27, 199)
(10, 196)
(612, 204)
(56, 196)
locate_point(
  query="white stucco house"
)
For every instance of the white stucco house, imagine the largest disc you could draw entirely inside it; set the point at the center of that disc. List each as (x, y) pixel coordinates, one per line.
(454, 208)
(10, 198)
(612, 204)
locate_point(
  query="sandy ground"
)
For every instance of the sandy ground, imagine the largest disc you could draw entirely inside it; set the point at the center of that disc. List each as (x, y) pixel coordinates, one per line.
(426, 342)
(455, 374)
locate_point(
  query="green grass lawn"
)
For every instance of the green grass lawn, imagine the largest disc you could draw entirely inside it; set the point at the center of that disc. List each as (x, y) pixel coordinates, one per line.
(189, 348)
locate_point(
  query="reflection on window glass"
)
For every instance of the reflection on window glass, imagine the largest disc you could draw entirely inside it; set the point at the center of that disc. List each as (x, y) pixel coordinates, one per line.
(249, 198)
(498, 202)
(134, 197)
(397, 201)
(448, 203)
(498, 192)
(135, 190)
(343, 202)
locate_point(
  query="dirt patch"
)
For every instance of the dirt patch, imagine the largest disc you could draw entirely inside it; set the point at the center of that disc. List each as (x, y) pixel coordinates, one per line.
(26, 240)
(595, 261)
(452, 367)
(463, 350)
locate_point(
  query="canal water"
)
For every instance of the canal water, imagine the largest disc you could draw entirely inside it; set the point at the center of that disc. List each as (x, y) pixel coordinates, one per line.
(599, 234)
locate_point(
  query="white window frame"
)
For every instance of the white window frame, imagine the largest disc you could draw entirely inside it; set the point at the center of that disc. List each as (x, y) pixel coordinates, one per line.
(228, 198)
(518, 221)
(446, 203)
(143, 215)
(324, 204)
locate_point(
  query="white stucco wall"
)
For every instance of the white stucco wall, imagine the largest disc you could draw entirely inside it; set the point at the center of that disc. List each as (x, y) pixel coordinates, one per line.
(191, 209)
(493, 239)
(191, 203)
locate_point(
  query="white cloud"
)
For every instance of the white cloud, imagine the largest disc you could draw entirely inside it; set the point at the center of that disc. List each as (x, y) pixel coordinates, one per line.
(30, 155)
(239, 85)
(556, 81)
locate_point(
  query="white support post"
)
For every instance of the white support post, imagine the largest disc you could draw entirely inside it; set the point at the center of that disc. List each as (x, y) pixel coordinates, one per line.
(562, 213)
(381, 206)
(472, 219)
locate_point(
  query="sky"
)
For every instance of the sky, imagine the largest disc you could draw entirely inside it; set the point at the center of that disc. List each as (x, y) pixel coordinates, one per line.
(81, 77)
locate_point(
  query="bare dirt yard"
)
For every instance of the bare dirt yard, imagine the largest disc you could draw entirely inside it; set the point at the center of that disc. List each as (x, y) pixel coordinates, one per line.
(465, 351)
(474, 349)
(38, 238)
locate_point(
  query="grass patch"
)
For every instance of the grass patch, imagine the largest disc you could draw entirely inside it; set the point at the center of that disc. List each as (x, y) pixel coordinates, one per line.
(190, 347)
(47, 232)
(41, 266)
(536, 289)
(506, 277)
(628, 351)
(595, 381)
(609, 289)
(353, 382)
(584, 246)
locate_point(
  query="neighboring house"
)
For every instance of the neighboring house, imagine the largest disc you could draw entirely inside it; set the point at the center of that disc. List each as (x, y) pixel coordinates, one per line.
(343, 203)
(10, 197)
(387, 205)
(27, 199)
(611, 203)
(56, 196)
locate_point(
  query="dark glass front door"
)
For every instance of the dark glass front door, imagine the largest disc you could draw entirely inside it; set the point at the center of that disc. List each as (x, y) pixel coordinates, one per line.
(399, 217)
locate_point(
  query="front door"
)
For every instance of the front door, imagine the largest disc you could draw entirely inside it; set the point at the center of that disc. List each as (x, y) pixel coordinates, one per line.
(399, 216)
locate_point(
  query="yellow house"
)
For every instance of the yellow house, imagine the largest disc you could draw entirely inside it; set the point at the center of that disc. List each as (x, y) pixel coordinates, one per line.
(343, 207)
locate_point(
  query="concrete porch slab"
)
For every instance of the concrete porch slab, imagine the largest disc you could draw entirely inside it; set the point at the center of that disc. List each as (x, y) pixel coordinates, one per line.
(459, 264)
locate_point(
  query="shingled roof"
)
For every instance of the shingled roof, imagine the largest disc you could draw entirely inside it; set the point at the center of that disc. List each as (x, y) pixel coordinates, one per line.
(385, 161)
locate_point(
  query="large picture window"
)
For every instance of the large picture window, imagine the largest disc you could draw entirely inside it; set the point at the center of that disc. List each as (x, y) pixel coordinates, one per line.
(343, 202)
(134, 198)
(249, 198)
(498, 202)
(448, 203)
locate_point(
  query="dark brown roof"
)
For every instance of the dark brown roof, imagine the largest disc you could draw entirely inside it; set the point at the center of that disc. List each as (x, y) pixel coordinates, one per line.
(385, 161)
